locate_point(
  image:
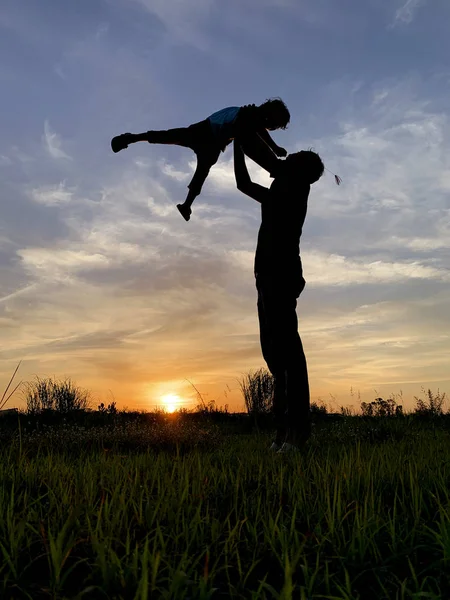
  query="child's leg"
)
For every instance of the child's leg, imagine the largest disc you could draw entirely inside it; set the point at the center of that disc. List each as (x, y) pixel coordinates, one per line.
(206, 158)
(179, 136)
(197, 137)
(185, 208)
(257, 149)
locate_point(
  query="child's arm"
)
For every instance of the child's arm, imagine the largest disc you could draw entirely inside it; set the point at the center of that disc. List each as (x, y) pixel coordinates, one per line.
(243, 182)
(249, 122)
(265, 136)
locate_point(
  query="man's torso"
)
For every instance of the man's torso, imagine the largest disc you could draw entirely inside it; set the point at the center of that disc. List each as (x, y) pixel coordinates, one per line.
(283, 214)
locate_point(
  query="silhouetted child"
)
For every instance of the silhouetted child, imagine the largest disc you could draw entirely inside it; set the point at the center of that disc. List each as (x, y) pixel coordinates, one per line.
(249, 124)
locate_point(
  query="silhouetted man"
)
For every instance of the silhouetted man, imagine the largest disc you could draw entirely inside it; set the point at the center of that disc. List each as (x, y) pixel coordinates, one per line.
(279, 282)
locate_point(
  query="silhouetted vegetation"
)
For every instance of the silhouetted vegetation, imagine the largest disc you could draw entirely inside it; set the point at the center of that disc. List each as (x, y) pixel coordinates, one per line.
(111, 503)
(257, 388)
(51, 395)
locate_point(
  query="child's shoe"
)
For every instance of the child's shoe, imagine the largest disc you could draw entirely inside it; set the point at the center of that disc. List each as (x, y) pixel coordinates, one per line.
(120, 142)
(185, 211)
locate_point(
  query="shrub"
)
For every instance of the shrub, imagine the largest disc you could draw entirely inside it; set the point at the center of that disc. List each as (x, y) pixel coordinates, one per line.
(257, 388)
(431, 406)
(51, 395)
(380, 408)
(318, 409)
(111, 409)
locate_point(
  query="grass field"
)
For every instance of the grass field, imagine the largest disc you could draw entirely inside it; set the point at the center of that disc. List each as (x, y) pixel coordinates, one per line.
(198, 508)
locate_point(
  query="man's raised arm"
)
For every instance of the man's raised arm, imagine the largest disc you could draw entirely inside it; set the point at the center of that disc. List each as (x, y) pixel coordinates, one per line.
(243, 182)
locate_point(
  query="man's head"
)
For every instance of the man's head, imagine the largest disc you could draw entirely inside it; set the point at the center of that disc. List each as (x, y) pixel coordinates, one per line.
(305, 165)
(275, 114)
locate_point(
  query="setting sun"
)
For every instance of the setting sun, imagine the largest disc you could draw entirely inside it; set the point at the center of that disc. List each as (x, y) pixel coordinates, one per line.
(171, 402)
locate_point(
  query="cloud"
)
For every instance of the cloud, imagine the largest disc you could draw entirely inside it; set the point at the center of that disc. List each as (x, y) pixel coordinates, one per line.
(394, 158)
(182, 20)
(173, 173)
(17, 293)
(325, 270)
(52, 195)
(56, 263)
(53, 143)
(330, 270)
(424, 244)
(222, 174)
(406, 13)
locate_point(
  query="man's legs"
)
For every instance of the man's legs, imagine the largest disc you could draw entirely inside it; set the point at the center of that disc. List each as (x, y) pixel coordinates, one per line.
(298, 396)
(280, 406)
(286, 360)
(279, 376)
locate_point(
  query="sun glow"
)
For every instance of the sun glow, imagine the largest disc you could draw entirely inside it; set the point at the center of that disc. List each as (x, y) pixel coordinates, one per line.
(171, 402)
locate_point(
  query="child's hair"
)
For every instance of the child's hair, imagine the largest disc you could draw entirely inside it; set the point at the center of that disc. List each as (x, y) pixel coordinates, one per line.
(281, 108)
(306, 163)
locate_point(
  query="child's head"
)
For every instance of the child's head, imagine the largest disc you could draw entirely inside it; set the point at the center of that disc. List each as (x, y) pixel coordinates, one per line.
(275, 114)
(304, 165)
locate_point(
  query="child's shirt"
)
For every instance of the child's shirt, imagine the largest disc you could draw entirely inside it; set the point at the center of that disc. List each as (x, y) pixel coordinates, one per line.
(224, 122)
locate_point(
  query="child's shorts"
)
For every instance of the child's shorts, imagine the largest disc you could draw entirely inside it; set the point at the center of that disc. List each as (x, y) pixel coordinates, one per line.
(201, 140)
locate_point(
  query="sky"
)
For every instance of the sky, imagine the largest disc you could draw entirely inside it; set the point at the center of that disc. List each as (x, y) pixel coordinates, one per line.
(101, 279)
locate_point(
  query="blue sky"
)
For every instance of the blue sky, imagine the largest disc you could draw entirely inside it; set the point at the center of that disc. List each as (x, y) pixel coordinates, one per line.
(102, 280)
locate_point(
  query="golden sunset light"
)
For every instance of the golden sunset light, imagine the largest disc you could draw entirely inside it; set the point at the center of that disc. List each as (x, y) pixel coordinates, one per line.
(171, 402)
(114, 289)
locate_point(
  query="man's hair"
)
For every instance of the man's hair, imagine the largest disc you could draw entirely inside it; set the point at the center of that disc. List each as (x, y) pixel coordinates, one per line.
(306, 163)
(278, 105)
